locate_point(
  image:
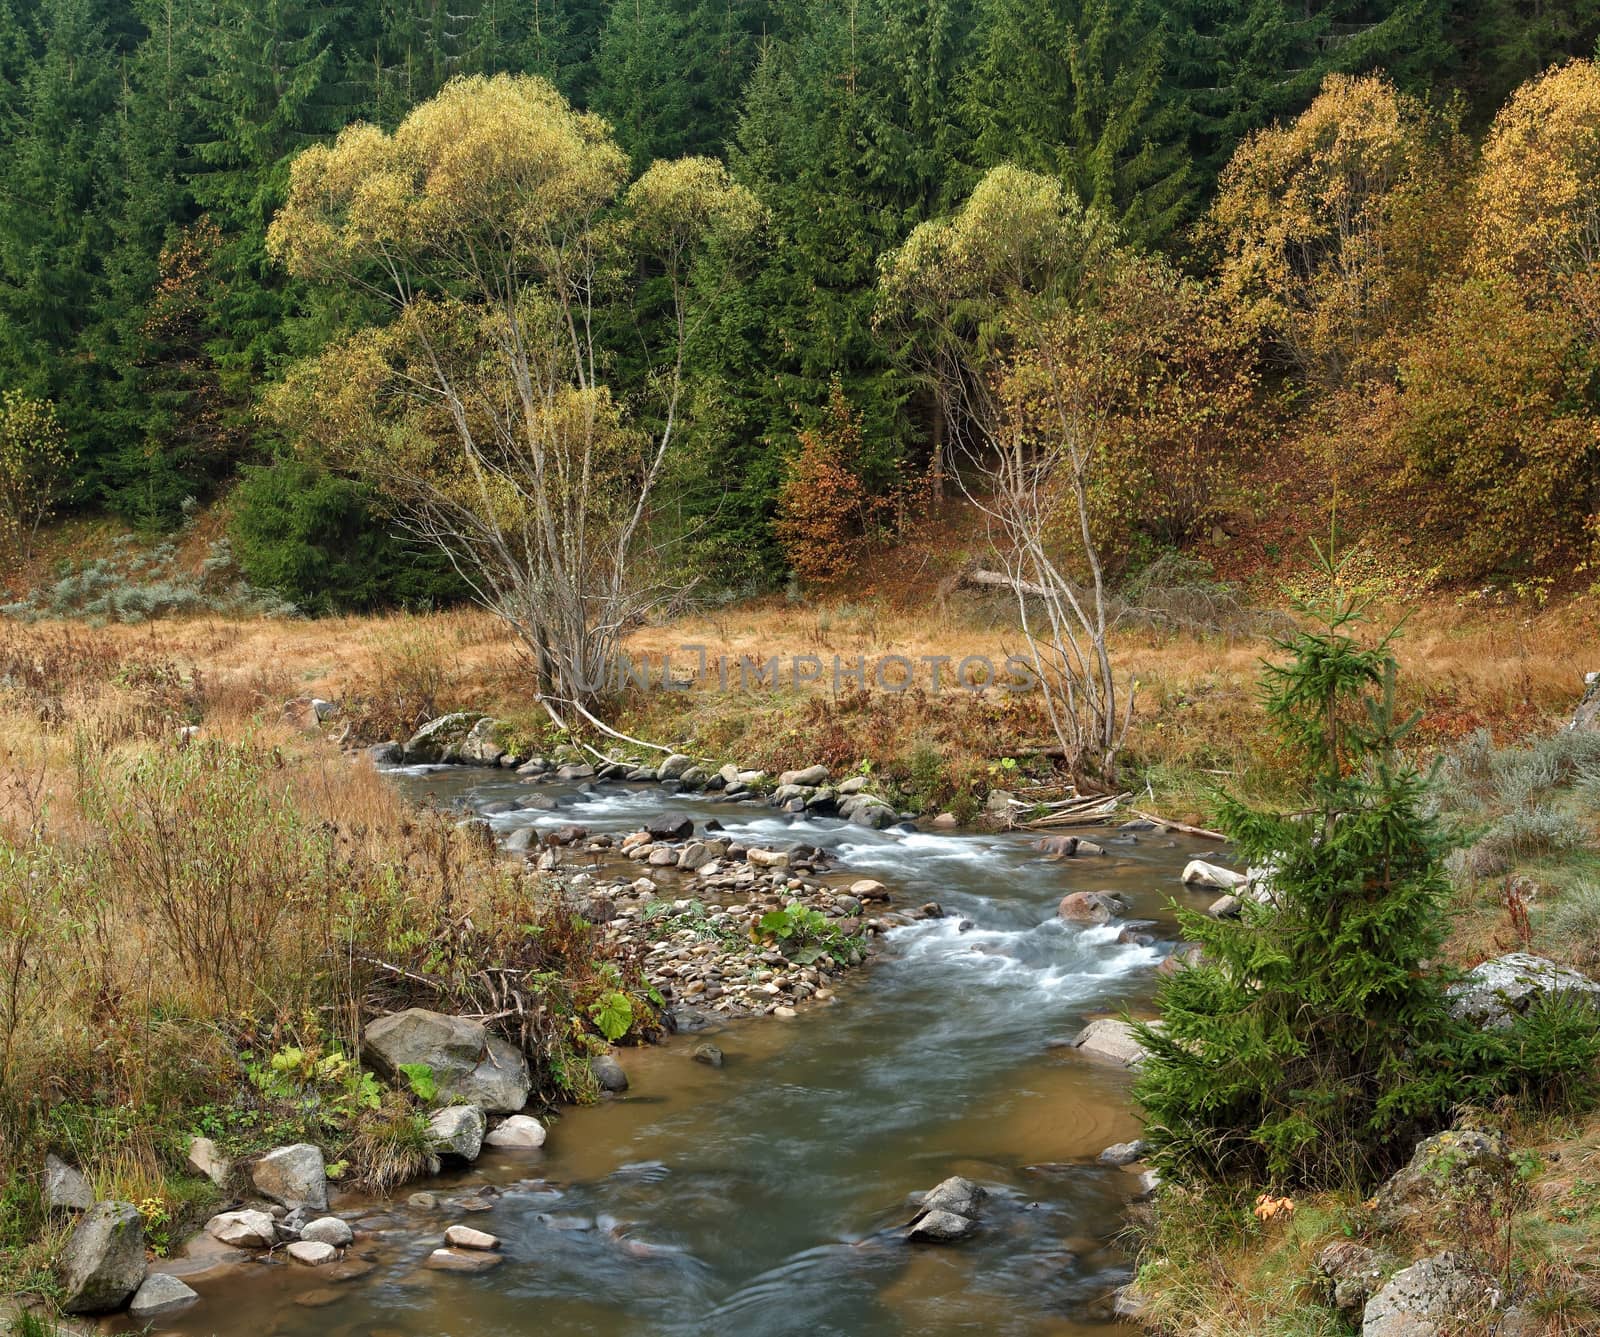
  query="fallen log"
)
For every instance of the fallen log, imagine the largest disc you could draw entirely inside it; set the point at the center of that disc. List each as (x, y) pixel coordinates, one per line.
(999, 579)
(1184, 827)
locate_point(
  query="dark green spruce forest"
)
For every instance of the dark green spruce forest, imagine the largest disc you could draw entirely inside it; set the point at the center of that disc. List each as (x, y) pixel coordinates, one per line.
(146, 148)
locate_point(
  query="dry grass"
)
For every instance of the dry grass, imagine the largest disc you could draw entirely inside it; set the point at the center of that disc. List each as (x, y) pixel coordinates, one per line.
(171, 903)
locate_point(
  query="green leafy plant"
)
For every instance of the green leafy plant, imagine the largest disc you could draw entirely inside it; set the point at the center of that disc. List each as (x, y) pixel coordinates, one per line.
(331, 1083)
(806, 935)
(420, 1080)
(612, 1013)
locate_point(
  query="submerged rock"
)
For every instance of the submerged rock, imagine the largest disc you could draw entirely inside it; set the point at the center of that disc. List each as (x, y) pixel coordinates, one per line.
(955, 1194)
(1111, 1039)
(940, 1227)
(450, 1260)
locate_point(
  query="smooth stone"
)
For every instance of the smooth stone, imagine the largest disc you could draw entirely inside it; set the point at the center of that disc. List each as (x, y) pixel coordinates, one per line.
(520, 1132)
(245, 1229)
(327, 1230)
(1124, 1153)
(608, 1073)
(311, 1253)
(160, 1294)
(465, 1237)
(708, 1054)
(448, 1260)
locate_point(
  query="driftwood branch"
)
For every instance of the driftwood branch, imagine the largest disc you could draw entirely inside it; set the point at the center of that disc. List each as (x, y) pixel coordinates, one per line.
(1184, 827)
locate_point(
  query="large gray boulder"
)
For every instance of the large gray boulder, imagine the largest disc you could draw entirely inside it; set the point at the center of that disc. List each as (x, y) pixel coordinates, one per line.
(443, 739)
(65, 1190)
(1432, 1298)
(479, 748)
(1495, 993)
(468, 1063)
(457, 1130)
(103, 1262)
(294, 1176)
(1449, 1164)
(161, 1294)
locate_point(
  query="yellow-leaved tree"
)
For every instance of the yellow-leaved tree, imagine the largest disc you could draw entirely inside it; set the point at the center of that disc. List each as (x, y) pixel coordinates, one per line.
(1329, 225)
(1537, 196)
(33, 471)
(498, 230)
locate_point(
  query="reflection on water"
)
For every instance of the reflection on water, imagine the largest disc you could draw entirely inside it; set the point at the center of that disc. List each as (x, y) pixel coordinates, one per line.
(756, 1198)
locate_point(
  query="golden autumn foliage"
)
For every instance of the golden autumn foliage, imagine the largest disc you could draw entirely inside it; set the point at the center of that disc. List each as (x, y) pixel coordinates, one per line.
(33, 470)
(1322, 222)
(1537, 197)
(498, 224)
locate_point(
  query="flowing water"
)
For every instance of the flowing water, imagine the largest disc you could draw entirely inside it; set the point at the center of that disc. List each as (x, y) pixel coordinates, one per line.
(755, 1198)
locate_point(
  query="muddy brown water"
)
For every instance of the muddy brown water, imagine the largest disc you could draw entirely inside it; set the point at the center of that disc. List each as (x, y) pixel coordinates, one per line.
(759, 1198)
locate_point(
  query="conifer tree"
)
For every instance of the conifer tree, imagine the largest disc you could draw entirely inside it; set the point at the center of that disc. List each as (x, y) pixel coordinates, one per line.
(1080, 89)
(1311, 1043)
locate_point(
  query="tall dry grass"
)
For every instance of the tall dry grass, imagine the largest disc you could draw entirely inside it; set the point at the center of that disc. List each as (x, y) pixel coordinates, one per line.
(187, 882)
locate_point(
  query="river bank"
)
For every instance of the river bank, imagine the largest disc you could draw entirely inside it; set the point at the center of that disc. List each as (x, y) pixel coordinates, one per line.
(120, 713)
(1022, 969)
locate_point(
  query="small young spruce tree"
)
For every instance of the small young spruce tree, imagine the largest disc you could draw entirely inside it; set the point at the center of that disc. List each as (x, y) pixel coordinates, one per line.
(1311, 1045)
